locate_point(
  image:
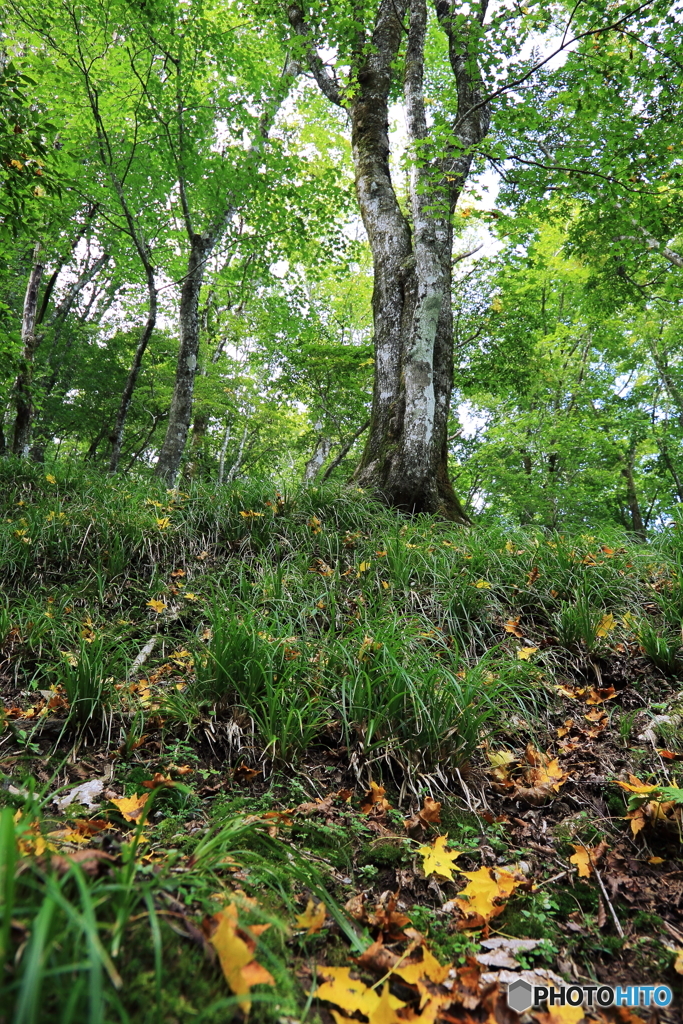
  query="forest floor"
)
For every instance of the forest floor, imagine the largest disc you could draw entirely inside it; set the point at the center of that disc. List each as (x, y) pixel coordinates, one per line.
(298, 757)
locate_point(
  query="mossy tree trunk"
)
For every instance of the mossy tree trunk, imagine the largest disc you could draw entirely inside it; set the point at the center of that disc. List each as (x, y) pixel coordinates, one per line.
(405, 460)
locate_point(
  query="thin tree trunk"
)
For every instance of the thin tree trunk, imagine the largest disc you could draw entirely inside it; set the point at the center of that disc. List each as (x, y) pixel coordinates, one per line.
(116, 436)
(221, 457)
(344, 451)
(180, 415)
(23, 392)
(637, 524)
(199, 428)
(238, 461)
(315, 463)
(668, 461)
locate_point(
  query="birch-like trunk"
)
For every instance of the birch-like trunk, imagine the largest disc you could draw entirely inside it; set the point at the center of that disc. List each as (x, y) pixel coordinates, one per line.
(23, 391)
(180, 415)
(405, 461)
(315, 463)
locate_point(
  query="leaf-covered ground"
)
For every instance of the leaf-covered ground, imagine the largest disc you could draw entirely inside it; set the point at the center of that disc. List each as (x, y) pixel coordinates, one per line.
(295, 756)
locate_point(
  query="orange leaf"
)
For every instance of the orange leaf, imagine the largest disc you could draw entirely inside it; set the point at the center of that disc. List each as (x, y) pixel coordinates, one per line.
(582, 859)
(158, 780)
(374, 797)
(235, 951)
(512, 626)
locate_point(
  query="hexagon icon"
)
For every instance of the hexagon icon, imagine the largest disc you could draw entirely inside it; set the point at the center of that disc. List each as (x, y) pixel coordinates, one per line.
(520, 996)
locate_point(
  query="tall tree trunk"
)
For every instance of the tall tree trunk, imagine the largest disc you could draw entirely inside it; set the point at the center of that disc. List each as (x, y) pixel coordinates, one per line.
(116, 436)
(199, 429)
(406, 454)
(180, 415)
(637, 524)
(23, 392)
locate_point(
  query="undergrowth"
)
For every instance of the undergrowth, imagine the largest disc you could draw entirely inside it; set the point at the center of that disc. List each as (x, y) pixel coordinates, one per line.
(252, 631)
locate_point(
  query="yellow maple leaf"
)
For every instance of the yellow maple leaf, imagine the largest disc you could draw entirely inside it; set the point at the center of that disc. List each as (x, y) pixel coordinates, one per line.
(163, 523)
(385, 1011)
(482, 585)
(582, 859)
(548, 775)
(157, 606)
(351, 994)
(500, 758)
(429, 967)
(236, 955)
(364, 566)
(131, 807)
(313, 917)
(50, 478)
(678, 962)
(564, 1015)
(524, 653)
(483, 889)
(606, 625)
(437, 859)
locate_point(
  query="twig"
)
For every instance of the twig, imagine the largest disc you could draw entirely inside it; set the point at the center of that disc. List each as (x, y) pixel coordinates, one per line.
(144, 654)
(555, 878)
(617, 924)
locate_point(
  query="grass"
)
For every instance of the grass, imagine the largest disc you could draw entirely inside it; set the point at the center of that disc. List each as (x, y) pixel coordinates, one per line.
(279, 631)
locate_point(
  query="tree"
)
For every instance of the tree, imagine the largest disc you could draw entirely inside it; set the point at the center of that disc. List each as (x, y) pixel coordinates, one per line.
(405, 457)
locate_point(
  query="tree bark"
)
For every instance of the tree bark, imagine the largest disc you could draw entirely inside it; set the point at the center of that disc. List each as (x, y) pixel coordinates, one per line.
(637, 524)
(346, 448)
(405, 461)
(180, 415)
(23, 392)
(116, 436)
(315, 463)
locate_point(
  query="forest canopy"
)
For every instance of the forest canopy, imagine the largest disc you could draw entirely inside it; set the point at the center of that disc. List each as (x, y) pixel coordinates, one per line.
(430, 248)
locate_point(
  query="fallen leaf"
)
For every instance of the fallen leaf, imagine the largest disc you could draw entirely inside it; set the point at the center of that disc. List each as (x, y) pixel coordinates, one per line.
(582, 859)
(512, 626)
(90, 861)
(353, 995)
(429, 815)
(313, 917)
(158, 780)
(131, 807)
(600, 696)
(157, 606)
(678, 962)
(235, 948)
(86, 794)
(484, 889)
(524, 653)
(482, 585)
(606, 625)
(437, 859)
(636, 786)
(375, 798)
(638, 820)
(385, 1011)
(429, 967)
